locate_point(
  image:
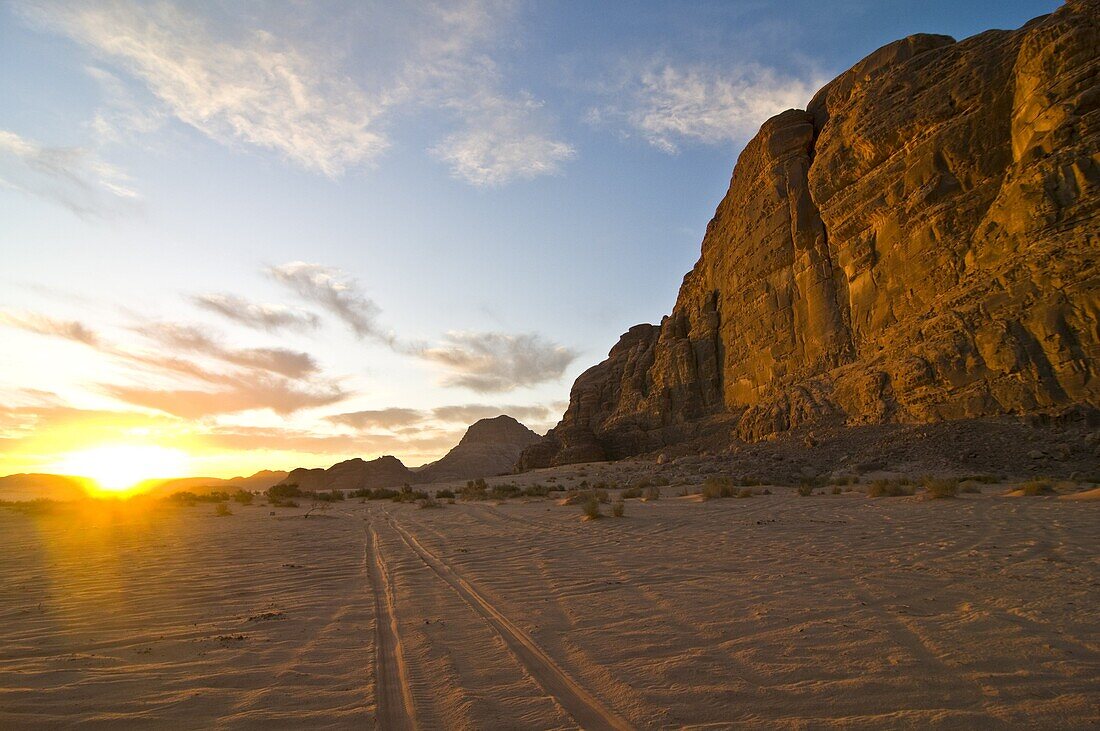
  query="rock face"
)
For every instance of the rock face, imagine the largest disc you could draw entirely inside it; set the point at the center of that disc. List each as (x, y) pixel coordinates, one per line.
(353, 474)
(489, 447)
(920, 244)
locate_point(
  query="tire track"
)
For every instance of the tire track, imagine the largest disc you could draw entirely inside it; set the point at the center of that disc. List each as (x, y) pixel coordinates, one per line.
(586, 709)
(392, 687)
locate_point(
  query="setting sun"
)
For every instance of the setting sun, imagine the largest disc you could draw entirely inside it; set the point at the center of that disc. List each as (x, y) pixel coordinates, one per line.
(116, 468)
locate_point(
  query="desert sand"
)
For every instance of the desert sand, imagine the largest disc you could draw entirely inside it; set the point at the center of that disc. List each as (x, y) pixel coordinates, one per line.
(777, 611)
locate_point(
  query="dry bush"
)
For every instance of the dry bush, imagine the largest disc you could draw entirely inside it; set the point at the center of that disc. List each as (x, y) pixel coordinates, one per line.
(940, 488)
(890, 488)
(631, 492)
(222, 510)
(805, 490)
(1037, 487)
(969, 488)
(618, 509)
(428, 502)
(591, 507)
(717, 487)
(745, 492)
(651, 493)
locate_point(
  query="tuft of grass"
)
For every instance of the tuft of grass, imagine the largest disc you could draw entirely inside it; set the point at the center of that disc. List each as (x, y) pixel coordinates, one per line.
(1037, 487)
(717, 487)
(428, 502)
(618, 509)
(940, 488)
(222, 510)
(806, 490)
(890, 488)
(837, 489)
(591, 507)
(745, 492)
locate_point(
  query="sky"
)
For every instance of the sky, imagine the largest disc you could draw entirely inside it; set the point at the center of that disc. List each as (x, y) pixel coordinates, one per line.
(250, 235)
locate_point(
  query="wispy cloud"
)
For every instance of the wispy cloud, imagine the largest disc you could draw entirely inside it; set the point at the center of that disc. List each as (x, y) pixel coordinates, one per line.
(669, 105)
(282, 90)
(253, 88)
(378, 418)
(260, 378)
(489, 362)
(43, 325)
(73, 177)
(258, 315)
(503, 140)
(281, 361)
(336, 292)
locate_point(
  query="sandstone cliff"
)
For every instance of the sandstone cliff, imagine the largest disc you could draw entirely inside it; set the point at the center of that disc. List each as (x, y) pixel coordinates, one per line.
(919, 244)
(489, 447)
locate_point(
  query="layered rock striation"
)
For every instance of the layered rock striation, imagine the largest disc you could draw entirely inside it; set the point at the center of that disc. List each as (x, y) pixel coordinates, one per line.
(920, 244)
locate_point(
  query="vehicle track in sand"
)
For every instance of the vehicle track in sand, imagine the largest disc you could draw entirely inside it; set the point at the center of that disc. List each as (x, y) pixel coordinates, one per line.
(392, 687)
(585, 709)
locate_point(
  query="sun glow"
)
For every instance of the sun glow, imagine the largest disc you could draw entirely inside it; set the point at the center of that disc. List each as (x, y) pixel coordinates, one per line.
(117, 468)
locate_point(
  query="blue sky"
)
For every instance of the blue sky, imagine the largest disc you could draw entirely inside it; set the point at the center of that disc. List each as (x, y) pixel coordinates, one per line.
(231, 225)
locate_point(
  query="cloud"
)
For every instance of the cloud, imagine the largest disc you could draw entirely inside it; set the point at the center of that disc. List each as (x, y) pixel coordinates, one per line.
(380, 418)
(282, 88)
(336, 292)
(263, 378)
(469, 413)
(42, 325)
(258, 315)
(668, 105)
(72, 177)
(289, 363)
(239, 395)
(275, 439)
(254, 88)
(502, 141)
(491, 362)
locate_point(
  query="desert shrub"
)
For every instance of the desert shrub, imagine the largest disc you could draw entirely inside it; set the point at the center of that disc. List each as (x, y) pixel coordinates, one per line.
(631, 492)
(428, 502)
(475, 490)
(184, 497)
(1037, 487)
(651, 493)
(536, 490)
(984, 479)
(591, 506)
(805, 490)
(444, 494)
(283, 491)
(409, 495)
(969, 488)
(890, 488)
(844, 480)
(837, 489)
(744, 492)
(940, 488)
(717, 487)
(504, 491)
(222, 510)
(243, 497)
(618, 508)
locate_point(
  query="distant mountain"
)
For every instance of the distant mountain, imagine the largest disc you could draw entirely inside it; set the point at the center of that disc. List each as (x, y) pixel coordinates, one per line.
(353, 474)
(489, 447)
(253, 483)
(32, 486)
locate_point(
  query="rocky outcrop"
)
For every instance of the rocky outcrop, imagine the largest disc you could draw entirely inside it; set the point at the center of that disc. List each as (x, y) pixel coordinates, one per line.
(919, 244)
(353, 474)
(489, 447)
